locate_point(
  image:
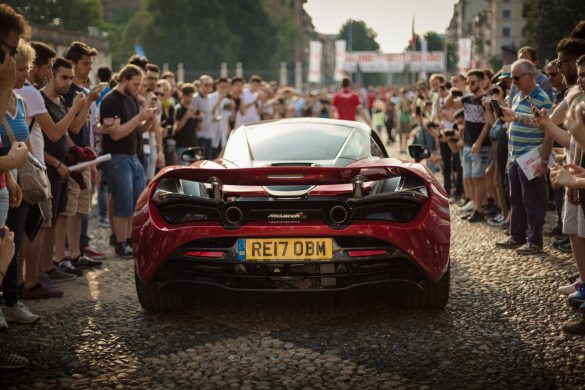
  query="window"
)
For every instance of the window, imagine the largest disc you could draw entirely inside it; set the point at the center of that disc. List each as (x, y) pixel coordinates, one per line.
(506, 14)
(506, 32)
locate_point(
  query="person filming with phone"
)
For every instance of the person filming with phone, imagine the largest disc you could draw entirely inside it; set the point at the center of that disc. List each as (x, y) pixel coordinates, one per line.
(122, 118)
(528, 198)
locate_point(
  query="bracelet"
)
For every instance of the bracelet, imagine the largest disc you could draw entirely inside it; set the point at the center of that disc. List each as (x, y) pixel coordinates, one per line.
(59, 166)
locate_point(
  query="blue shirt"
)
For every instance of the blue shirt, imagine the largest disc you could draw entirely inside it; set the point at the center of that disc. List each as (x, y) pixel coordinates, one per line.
(18, 125)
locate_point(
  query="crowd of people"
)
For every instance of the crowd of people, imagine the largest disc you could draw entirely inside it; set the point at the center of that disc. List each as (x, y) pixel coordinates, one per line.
(480, 127)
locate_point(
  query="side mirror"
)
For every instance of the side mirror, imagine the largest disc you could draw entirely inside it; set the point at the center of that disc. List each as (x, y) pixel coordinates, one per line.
(419, 152)
(192, 154)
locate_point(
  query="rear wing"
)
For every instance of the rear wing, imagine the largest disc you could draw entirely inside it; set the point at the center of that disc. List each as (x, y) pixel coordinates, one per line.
(286, 175)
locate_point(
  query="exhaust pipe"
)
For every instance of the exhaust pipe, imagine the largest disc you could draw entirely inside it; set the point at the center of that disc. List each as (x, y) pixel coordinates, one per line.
(338, 214)
(234, 215)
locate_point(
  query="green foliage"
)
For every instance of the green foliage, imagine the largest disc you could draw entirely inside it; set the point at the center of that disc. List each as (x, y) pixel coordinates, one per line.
(359, 36)
(435, 42)
(75, 15)
(547, 22)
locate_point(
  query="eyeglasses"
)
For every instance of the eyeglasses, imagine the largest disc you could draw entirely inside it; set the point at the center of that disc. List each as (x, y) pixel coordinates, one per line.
(13, 49)
(158, 93)
(517, 78)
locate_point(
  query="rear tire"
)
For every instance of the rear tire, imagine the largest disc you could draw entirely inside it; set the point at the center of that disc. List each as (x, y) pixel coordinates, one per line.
(154, 300)
(433, 296)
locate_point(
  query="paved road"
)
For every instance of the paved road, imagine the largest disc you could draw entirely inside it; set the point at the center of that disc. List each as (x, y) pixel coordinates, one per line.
(501, 329)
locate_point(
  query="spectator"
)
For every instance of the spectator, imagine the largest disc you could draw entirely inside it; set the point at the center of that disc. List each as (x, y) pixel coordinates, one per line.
(167, 119)
(531, 54)
(123, 121)
(187, 122)
(202, 104)
(220, 111)
(346, 102)
(477, 150)
(249, 107)
(528, 198)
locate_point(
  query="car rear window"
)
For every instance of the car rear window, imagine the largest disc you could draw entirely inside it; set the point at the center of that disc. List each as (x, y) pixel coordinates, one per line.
(296, 142)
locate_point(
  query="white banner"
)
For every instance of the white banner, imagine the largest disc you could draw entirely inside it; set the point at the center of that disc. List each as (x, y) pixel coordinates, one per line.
(464, 53)
(424, 52)
(373, 62)
(339, 60)
(315, 62)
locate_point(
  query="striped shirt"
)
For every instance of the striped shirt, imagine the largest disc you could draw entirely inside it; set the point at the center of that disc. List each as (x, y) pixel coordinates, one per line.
(523, 136)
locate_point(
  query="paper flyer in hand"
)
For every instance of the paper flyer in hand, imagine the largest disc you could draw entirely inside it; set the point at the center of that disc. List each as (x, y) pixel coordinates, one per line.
(530, 161)
(100, 159)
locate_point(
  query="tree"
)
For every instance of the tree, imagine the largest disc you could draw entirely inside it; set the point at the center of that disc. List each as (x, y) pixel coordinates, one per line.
(547, 22)
(359, 36)
(75, 15)
(435, 42)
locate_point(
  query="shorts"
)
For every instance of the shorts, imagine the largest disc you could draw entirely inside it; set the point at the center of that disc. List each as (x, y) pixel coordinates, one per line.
(573, 219)
(58, 192)
(78, 200)
(474, 165)
(126, 181)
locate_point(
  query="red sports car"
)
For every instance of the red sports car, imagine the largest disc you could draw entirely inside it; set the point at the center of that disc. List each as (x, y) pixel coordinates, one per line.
(293, 205)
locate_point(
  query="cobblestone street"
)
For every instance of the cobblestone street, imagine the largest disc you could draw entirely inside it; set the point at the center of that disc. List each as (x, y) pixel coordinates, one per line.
(500, 329)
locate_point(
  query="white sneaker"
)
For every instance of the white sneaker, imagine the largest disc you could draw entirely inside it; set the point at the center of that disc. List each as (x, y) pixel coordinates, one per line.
(569, 288)
(3, 324)
(470, 206)
(19, 313)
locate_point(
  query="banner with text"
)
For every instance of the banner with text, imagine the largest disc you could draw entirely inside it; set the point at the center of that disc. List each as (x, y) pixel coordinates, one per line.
(315, 62)
(414, 61)
(464, 53)
(339, 59)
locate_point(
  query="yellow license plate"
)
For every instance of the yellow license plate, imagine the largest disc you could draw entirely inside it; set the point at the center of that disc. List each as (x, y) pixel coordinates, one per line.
(266, 249)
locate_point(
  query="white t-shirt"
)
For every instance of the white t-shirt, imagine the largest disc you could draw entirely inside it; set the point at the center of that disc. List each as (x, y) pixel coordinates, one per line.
(251, 114)
(35, 105)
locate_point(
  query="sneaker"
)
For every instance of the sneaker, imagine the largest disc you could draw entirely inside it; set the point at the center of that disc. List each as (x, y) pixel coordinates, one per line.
(463, 202)
(509, 243)
(93, 252)
(498, 221)
(565, 247)
(3, 323)
(469, 206)
(12, 361)
(104, 222)
(466, 214)
(84, 262)
(477, 216)
(577, 298)
(491, 209)
(57, 276)
(40, 291)
(560, 241)
(124, 250)
(529, 249)
(569, 288)
(574, 327)
(19, 313)
(66, 266)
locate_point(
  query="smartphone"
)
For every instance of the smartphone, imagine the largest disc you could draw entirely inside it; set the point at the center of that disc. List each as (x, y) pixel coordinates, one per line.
(533, 103)
(496, 107)
(457, 93)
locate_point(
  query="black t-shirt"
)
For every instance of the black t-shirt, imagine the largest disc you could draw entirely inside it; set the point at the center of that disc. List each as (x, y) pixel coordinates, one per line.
(474, 120)
(57, 112)
(82, 138)
(124, 107)
(186, 137)
(168, 121)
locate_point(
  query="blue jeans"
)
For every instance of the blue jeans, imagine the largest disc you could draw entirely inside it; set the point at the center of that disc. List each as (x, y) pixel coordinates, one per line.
(15, 221)
(126, 180)
(205, 143)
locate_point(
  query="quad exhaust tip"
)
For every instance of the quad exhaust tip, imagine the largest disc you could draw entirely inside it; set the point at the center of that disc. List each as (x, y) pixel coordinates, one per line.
(234, 215)
(338, 214)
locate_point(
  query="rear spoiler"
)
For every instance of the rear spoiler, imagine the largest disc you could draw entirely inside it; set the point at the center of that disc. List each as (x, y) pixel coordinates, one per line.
(285, 175)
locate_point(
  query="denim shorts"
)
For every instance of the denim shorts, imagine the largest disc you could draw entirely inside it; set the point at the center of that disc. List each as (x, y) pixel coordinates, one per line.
(474, 165)
(4, 197)
(126, 181)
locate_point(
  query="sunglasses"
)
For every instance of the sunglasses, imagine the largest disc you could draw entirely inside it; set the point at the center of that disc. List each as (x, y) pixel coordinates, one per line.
(553, 74)
(517, 78)
(158, 93)
(13, 49)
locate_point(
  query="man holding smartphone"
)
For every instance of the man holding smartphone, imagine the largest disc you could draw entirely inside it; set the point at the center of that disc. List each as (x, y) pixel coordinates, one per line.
(528, 198)
(123, 122)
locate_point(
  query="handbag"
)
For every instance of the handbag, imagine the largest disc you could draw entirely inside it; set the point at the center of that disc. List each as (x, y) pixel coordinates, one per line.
(32, 176)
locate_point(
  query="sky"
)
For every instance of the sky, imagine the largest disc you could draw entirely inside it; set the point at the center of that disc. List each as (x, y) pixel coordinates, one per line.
(391, 19)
